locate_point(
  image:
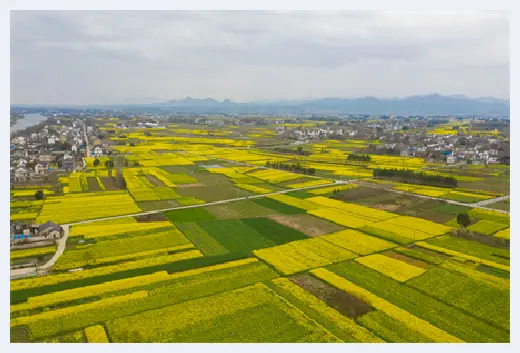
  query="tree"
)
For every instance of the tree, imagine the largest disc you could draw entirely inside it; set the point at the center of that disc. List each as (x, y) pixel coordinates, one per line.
(39, 195)
(405, 128)
(463, 220)
(96, 162)
(109, 164)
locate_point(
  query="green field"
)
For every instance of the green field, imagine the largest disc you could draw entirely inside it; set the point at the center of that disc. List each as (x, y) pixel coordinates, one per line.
(240, 209)
(201, 239)
(475, 297)
(472, 248)
(452, 320)
(189, 215)
(278, 206)
(236, 236)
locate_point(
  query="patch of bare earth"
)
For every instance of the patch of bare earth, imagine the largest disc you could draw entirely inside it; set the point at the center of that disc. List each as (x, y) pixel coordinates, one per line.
(408, 260)
(344, 302)
(308, 225)
(154, 217)
(156, 182)
(391, 208)
(109, 183)
(197, 185)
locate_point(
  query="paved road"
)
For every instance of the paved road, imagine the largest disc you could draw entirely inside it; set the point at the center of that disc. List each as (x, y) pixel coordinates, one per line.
(87, 148)
(487, 202)
(61, 247)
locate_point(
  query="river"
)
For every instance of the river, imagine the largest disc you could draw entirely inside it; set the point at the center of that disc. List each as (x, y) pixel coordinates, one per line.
(27, 121)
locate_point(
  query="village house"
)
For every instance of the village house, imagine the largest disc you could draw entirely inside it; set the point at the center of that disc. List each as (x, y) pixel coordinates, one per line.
(40, 168)
(21, 174)
(98, 151)
(31, 233)
(51, 140)
(68, 163)
(46, 157)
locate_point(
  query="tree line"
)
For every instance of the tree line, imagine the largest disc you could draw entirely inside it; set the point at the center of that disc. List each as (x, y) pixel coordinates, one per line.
(359, 157)
(298, 168)
(299, 151)
(410, 177)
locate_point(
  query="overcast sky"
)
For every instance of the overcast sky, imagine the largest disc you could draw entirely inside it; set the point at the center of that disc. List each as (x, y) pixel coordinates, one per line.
(119, 57)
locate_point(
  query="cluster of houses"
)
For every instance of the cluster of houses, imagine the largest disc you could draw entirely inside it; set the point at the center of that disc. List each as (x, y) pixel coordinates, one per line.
(33, 235)
(55, 147)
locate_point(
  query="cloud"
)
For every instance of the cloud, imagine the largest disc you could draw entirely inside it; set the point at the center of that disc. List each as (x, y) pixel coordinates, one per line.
(86, 57)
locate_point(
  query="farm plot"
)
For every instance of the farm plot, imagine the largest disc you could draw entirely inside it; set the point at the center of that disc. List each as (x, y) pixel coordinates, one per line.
(158, 293)
(340, 325)
(331, 189)
(391, 267)
(278, 206)
(274, 176)
(420, 327)
(240, 209)
(487, 227)
(189, 215)
(452, 321)
(341, 217)
(201, 239)
(76, 207)
(302, 255)
(278, 233)
(313, 182)
(307, 224)
(405, 230)
(294, 201)
(127, 248)
(490, 216)
(34, 252)
(95, 184)
(183, 285)
(472, 249)
(252, 314)
(236, 236)
(214, 187)
(358, 242)
(254, 188)
(126, 225)
(390, 329)
(503, 234)
(368, 213)
(467, 294)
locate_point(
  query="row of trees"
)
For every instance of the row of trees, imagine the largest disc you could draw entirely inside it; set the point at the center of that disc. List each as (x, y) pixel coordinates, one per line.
(359, 157)
(299, 151)
(297, 168)
(410, 177)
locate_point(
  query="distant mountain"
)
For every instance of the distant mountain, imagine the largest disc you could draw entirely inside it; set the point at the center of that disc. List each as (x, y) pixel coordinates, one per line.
(433, 104)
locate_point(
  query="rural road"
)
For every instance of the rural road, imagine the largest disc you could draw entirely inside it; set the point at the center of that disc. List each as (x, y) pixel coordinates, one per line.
(87, 148)
(42, 270)
(487, 202)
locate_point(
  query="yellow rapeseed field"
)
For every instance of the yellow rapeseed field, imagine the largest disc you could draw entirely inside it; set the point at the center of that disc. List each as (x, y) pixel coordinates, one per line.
(393, 268)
